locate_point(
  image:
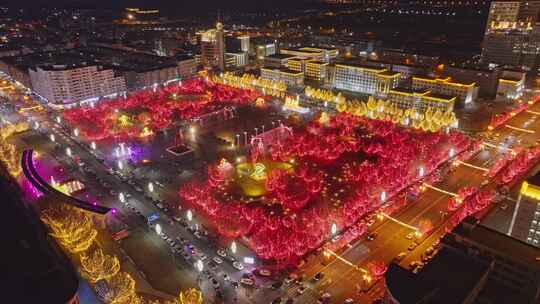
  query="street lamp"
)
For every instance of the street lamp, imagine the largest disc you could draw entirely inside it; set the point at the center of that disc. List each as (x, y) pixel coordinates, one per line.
(199, 265)
(58, 119)
(120, 165)
(421, 171)
(151, 187)
(333, 229)
(452, 152)
(53, 138)
(189, 215)
(158, 229)
(76, 132)
(122, 197)
(93, 145)
(233, 247)
(383, 196)
(68, 151)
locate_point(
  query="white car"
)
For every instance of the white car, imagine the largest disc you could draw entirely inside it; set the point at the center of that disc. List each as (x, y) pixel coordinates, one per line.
(217, 260)
(221, 253)
(238, 265)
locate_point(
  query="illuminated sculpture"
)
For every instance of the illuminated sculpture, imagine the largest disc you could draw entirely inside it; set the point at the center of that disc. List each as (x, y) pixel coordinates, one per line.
(191, 296)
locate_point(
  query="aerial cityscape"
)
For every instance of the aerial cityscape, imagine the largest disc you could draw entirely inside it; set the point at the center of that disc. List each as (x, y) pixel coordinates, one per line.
(305, 151)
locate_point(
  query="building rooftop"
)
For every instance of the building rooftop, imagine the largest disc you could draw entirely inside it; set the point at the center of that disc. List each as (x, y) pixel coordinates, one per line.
(283, 70)
(389, 73)
(280, 56)
(404, 90)
(449, 278)
(359, 65)
(440, 97)
(508, 246)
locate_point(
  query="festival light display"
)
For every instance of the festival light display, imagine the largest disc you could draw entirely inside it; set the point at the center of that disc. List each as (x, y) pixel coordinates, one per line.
(10, 156)
(249, 81)
(96, 265)
(71, 227)
(141, 114)
(339, 171)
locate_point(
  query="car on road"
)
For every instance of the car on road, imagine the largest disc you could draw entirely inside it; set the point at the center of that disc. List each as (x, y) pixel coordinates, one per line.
(238, 265)
(412, 246)
(372, 236)
(400, 256)
(264, 272)
(247, 281)
(504, 206)
(301, 289)
(217, 260)
(276, 301)
(318, 276)
(348, 301)
(409, 236)
(221, 253)
(277, 285)
(288, 280)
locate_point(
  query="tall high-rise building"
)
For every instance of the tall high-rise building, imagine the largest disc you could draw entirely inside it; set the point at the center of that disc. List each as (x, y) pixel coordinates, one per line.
(511, 35)
(213, 48)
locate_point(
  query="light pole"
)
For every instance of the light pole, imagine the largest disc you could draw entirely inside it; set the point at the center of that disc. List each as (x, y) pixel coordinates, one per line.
(68, 151)
(189, 215)
(122, 197)
(151, 187)
(53, 138)
(158, 229)
(93, 145)
(233, 247)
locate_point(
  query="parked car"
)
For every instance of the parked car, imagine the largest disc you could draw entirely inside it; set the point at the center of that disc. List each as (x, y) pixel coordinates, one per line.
(238, 265)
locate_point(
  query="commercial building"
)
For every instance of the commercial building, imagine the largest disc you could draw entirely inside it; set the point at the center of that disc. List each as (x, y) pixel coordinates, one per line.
(364, 79)
(485, 78)
(320, 54)
(474, 265)
(511, 36)
(420, 99)
(525, 223)
(405, 70)
(187, 66)
(515, 277)
(68, 83)
(290, 77)
(465, 92)
(213, 48)
(450, 278)
(316, 70)
(262, 48)
(511, 85)
(277, 60)
(236, 60)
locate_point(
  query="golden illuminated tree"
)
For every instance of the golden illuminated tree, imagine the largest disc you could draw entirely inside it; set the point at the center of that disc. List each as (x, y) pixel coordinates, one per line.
(9, 154)
(71, 227)
(191, 296)
(122, 289)
(96, 265)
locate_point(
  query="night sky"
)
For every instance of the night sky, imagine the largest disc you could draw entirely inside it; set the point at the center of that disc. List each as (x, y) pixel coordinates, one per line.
(180, 4)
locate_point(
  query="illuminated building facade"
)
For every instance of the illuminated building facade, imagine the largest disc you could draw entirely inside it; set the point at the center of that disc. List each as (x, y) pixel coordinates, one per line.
(187, 66)
(511, 37)
(71, 83)
(364, 79)
(238, 59)
(213, 48)
(316, 70)
(420, 99)
(290, 77)
(277, 60)
(525, 224)
(465, 92)
(320, 54)
(511, 85)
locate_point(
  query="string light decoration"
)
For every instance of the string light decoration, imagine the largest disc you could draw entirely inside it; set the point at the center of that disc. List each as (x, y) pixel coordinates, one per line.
(142, 114)
(341, 167)
(121, 289)
(96, 265)
(191, 296)
(10, 156)
(71, 227)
